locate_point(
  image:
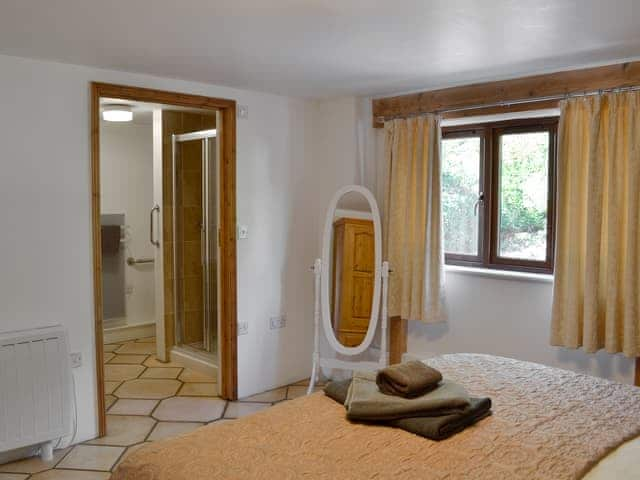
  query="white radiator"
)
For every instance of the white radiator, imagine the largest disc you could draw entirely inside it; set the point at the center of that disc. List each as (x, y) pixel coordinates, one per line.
(35, 388)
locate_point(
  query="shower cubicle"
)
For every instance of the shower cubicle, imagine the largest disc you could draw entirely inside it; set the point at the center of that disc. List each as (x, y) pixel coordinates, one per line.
(195, 242)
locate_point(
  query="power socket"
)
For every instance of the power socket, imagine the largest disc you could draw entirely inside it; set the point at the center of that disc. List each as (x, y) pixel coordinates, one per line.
(277, 322)
(76, 359)
(243, 328)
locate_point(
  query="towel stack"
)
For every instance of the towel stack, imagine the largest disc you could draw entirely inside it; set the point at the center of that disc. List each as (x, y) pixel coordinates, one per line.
(411, 396)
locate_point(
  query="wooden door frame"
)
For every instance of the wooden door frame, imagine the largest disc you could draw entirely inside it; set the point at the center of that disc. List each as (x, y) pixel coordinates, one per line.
(228, 287)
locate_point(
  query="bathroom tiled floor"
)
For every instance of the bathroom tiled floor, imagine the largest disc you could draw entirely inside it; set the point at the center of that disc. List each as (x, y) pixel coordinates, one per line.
(146, 401)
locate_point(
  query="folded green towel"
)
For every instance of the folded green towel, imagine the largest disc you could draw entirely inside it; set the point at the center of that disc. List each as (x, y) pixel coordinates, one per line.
(365, 402)
(433, 428)
(410, 379)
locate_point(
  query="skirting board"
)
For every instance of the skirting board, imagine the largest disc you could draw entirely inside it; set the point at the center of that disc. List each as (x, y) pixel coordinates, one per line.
(129, 332)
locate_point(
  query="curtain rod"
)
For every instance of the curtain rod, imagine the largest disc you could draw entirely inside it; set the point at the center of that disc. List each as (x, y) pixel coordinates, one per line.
(507, 103)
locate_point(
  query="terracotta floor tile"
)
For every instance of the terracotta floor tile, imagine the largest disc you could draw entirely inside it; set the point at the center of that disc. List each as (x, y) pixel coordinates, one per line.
(111, 347)
(146, 340)
(124, 430)
(129, 451)
(136, 348)
(59, 474)
(13, 476)
(156, 372)
(118, 373)
(128, 359)
(295, 391)
(189, 375)
(190, 409)
(164, 430)
(129, 406)
(305, 382)
(109, 387)
(152, 361)
(33, 464)
(199, 390)
(270, 396)
(108, 356)
(240, 409)
(108, 401)
(222, 421)
(91, 457)
(148, 388)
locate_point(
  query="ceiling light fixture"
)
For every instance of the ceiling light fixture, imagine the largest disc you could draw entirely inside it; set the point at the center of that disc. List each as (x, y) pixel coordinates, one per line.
(117, 113)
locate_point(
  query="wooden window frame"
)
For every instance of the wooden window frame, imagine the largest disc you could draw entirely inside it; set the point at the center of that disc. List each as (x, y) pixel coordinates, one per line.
(488, 213)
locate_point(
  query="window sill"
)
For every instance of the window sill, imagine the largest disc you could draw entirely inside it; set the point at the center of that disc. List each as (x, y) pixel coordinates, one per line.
(499, 274)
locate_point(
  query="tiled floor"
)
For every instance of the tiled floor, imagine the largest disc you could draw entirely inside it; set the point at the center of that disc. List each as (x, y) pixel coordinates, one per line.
(146, 401)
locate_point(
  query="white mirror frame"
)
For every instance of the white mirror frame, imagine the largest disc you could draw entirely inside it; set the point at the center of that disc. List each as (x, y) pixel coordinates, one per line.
(327, 240)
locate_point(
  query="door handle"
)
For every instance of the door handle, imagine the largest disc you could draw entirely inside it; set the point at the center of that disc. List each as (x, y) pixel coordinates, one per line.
(156, 208)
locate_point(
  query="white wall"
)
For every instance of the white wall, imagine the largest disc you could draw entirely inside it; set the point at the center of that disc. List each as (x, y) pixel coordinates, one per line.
(496, 315)
(126, 186)
(507, 317)
(45, 246)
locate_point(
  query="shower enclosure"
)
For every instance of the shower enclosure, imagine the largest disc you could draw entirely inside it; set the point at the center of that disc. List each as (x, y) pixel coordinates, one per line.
(195, 241)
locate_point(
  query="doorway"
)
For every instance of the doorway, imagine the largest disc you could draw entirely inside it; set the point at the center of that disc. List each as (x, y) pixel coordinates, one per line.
(188, 260)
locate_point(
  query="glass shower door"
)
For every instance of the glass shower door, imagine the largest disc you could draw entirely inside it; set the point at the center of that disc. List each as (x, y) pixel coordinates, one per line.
(195, 240)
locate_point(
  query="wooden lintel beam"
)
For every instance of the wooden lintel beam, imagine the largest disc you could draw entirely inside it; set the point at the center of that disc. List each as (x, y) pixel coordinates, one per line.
(537, 86)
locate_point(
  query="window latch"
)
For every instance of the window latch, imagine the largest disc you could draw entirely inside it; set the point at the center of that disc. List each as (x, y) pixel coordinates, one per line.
(479, 201)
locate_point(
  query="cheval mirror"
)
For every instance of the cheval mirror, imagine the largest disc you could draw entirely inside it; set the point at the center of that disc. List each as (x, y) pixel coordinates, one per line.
(351, 283)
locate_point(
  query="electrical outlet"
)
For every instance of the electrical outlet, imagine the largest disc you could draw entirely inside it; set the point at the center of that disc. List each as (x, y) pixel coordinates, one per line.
(243, 232)
(277, 322)
(243, 328)
(76, 360)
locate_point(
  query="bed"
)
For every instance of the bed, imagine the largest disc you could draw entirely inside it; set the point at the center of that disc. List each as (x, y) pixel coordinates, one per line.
(547, 423)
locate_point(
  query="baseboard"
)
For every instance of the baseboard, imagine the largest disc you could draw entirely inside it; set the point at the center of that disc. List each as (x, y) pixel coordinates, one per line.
(129, 332)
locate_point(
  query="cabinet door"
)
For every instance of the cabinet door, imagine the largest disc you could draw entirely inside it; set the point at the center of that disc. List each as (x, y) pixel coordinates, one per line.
(356, 272)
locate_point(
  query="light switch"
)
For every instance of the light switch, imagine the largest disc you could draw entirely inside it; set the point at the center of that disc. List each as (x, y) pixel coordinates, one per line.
(243, 112)
(243, 232)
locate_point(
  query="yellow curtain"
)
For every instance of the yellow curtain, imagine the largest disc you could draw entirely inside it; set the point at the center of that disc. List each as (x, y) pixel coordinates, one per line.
(597, 272)
(413, 220)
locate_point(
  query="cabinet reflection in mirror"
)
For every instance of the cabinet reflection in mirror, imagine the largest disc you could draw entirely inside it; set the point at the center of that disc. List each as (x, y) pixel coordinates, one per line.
(352, 269)
(351, 282)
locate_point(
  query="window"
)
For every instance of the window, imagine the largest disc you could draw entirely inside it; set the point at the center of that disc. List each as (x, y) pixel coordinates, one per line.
(498, 188)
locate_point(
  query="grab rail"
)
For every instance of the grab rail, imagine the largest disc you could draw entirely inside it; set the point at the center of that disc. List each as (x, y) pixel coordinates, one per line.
(135, 261)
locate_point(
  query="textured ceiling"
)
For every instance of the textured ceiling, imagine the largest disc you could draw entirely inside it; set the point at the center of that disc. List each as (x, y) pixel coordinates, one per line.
(324, 48)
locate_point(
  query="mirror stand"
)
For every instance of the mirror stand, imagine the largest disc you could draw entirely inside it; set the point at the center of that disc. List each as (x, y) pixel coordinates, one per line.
(318, 361)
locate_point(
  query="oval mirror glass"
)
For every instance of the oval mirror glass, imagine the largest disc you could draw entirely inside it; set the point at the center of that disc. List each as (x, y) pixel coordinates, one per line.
(352, 278)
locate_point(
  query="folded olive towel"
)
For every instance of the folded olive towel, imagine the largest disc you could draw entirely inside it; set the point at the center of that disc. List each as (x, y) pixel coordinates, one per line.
(365, 402)
(410, 379)
(433, 428)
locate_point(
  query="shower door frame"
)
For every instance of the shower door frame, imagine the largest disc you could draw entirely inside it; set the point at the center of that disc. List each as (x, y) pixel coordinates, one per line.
(228, 361)
(204, 136)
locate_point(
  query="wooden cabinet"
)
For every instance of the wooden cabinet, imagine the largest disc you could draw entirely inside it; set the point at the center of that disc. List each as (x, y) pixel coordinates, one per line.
(353, 271)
